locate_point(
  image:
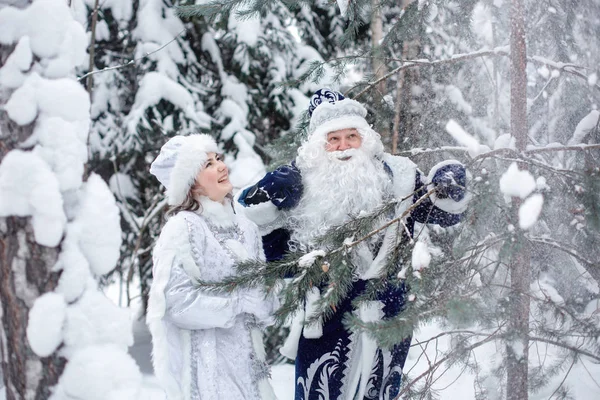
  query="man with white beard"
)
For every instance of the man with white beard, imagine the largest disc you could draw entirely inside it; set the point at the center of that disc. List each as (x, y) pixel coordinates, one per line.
(342, 172)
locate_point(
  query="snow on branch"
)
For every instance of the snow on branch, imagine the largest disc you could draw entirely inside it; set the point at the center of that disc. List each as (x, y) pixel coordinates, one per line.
(536, 150)
(502, 151)
(502, 51)
(499, 51)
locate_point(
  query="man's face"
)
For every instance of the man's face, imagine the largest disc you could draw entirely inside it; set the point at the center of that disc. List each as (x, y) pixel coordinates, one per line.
(343, 139)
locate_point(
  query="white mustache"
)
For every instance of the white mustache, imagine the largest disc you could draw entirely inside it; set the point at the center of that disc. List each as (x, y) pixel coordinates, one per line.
(340, 155)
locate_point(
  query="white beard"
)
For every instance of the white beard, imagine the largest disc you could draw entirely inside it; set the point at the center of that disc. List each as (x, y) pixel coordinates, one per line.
(334, 191)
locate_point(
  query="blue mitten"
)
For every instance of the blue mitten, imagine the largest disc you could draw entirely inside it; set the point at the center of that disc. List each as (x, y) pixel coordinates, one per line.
(450, 181)
(283, 187)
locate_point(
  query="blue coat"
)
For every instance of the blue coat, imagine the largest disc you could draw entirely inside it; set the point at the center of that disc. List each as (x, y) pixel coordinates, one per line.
(325, 365)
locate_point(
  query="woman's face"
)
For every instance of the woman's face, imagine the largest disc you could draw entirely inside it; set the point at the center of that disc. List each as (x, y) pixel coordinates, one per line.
(213, 180)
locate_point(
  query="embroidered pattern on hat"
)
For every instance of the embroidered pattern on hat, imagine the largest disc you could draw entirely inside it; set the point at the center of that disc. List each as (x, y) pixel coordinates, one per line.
(324, 95)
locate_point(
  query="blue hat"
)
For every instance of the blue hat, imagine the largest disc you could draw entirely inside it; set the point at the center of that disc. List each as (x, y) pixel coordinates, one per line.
(324, 95)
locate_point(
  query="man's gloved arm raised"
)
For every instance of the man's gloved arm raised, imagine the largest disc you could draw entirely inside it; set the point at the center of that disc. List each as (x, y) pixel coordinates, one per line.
(282, 187)
(264, 202)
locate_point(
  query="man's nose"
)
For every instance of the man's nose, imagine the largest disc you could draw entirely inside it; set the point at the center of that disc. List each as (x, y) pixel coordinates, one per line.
(344, 145)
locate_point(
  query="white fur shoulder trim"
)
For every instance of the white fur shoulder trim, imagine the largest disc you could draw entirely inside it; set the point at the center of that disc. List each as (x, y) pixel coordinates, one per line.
(164, 256)
(221, 215)
(404, 171)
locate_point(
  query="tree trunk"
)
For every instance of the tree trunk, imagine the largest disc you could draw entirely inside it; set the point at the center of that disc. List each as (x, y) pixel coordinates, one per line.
(25, 274)
(379, 66)
(404, 120)
(520, 273)
(377, 62)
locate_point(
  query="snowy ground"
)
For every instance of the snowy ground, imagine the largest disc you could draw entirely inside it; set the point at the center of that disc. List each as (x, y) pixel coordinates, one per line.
(282, 381)
(455, 382)
(583, 380)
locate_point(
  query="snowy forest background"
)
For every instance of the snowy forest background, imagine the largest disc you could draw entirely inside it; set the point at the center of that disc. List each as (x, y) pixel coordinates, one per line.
(505, 306)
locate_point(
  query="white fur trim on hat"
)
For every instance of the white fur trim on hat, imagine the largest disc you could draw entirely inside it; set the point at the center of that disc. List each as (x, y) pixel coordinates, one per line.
(344, 114)
(179, 162)
(343, 122)
(340, 110)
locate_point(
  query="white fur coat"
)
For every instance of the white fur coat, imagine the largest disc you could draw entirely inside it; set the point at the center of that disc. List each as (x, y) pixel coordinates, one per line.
(206, 345)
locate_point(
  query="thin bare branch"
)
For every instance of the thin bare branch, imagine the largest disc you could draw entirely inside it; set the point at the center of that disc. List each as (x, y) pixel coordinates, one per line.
(425, 62)
(134, 61)
(563, 247)
(566, 346)
(491, 337)
(498, 52)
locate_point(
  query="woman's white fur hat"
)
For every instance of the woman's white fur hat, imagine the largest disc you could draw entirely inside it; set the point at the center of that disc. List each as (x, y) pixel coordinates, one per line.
(179, 162)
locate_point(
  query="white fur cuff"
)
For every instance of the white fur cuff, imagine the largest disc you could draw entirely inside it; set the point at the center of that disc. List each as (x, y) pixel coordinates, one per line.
(265, 216)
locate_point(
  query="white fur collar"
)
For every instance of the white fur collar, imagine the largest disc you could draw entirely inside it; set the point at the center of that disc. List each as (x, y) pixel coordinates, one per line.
(221, 215)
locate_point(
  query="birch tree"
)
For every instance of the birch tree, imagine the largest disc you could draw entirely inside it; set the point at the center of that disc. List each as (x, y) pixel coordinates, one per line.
(58, 233)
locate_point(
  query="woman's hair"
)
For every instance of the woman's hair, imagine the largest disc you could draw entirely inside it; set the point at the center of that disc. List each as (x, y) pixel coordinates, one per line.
(190, 203)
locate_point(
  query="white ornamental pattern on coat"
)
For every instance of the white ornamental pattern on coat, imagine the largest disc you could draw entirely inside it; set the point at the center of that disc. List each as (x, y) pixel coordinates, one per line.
(378, 388)
(324, 366)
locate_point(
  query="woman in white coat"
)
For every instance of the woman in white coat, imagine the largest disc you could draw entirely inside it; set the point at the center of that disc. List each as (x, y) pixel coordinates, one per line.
(206, 346)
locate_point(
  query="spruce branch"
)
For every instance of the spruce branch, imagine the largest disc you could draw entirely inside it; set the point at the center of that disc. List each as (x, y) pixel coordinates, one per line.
(454, 332)
(256, 273)
(391, 222)
(420, 151)
(244, 9)
(501, 51)
(534, 163)
(157, 205)
(564, 378)
(209, 10)
(581, 328)
(577, 147)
